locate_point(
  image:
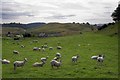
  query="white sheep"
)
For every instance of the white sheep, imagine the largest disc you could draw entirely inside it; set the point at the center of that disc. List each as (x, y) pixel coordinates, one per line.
(38, 64)
(15, 52)
(59, 47)
(19, 63)
(4, 61)
(56, 58)
(75, 58)
(55, 63)
(94, 57)
(100, 58)
(35, 41)
(22, 46)
(58, 55)
(36, 48)
(44, 59)
(43, 49)
(50, 48)
(45, 46)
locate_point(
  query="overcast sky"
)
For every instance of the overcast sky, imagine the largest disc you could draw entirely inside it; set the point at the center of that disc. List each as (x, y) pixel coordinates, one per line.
(26, 11)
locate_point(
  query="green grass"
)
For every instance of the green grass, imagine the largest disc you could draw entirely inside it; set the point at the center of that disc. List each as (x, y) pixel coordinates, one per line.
(99, 44)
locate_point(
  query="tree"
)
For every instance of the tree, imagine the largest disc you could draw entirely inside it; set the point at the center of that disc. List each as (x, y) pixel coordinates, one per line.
(116, 14)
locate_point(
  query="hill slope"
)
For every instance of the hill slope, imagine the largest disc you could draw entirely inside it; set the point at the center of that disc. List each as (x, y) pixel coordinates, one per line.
(5, 30)
(64, 28)
(110, 30)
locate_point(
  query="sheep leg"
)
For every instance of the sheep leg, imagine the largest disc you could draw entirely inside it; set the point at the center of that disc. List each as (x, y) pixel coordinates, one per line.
(14, 67)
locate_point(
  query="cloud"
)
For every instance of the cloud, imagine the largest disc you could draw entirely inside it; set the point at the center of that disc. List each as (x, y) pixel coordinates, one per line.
(60, 16)
(93, 11)
(14, 10)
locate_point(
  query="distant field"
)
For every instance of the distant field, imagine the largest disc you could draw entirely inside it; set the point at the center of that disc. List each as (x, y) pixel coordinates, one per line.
(5, 30)
(84, 68)
(63, 28)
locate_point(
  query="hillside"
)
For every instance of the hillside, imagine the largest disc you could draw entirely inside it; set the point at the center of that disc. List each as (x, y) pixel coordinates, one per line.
(64, 28)
(5, 30)
(110, 30)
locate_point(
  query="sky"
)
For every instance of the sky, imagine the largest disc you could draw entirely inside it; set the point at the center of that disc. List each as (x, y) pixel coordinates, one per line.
(63, 11)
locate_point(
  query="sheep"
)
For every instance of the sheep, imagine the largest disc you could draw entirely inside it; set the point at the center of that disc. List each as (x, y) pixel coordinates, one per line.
(19, 63)
(35, 41)
(36, 48)
(43, 49)
(55, 63)
(100, 58)
(56, 58)
(44, 59)
(45, 46)
(22, 46)
(38, 64)
(15, 52)
(75, 58)
(59, 47)
(50, 48)
(94, 57)
(4, 61)
(58, 55)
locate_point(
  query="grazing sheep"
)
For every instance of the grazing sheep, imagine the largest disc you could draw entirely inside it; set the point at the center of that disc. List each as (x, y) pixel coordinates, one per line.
(4, 61)
(35, 41)
(19, 63)
(45, 46)
(58, 55)
(75, 58)
(44, 59)
(50, 48)
(100, 58)
(94, 57)
(55, 63)
(56, 58)
(59, 47)
(36, 48)
(43, 49)
(38, 64)
(15, 52)
(22, 46)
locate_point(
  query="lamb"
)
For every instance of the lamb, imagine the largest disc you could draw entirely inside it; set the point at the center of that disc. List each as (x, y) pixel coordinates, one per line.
(4, 61)
(38, 64)
(75, 58)
(59, 47)
(19, 63)
(55, 63)
(44, 59)
(15, 52)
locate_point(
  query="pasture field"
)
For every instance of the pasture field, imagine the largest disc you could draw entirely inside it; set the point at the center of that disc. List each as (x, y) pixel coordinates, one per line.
(72, 45)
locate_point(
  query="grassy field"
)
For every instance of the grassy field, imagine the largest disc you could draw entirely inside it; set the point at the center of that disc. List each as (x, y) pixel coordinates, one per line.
(84, 68)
